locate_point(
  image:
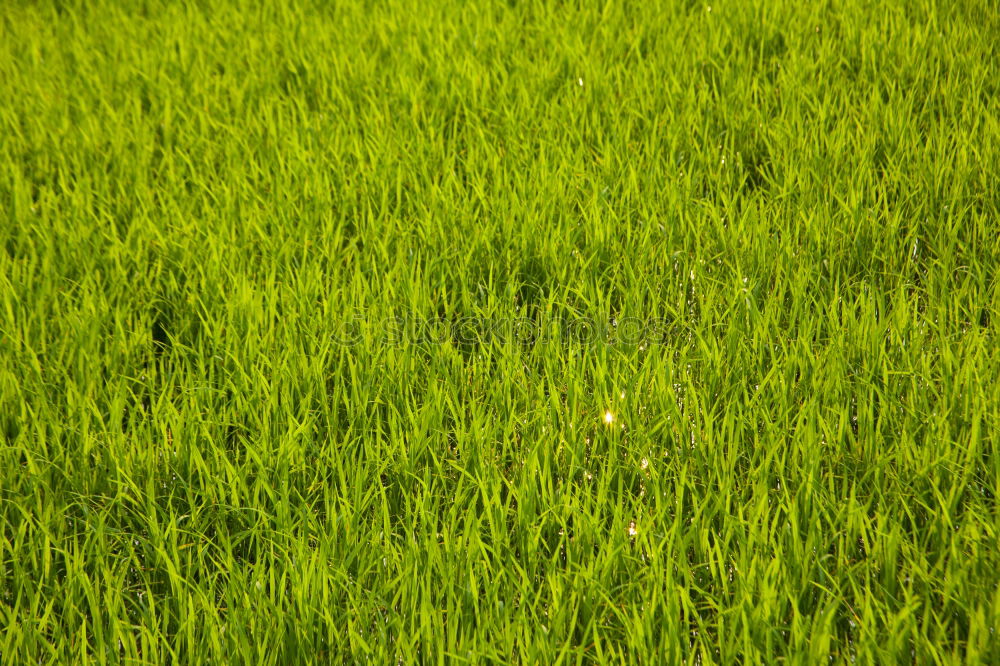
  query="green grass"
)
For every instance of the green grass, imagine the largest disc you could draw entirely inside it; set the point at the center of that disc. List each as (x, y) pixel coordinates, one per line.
(797, 205)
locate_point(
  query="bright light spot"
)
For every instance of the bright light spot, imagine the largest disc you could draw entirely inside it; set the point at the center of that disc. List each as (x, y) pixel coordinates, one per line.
(580, 81)
(608, 417)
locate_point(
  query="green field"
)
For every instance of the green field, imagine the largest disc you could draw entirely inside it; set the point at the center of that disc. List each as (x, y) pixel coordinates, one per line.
(499, 332)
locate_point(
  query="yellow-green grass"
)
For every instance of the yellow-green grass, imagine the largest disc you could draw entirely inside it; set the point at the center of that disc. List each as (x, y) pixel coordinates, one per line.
(311, 327)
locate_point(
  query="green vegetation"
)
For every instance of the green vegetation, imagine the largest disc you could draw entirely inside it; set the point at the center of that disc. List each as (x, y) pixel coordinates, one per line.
(217, 445)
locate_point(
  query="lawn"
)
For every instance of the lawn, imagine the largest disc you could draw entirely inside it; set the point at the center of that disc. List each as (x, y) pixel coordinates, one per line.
(499, 332)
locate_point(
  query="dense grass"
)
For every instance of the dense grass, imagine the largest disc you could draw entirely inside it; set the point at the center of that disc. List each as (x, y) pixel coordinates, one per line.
(220, 442)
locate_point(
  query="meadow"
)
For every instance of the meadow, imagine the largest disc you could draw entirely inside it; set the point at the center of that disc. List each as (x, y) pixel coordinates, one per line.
(499, 332)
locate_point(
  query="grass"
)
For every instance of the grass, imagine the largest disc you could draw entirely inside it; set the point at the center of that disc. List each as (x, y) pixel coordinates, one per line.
(312, 316)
